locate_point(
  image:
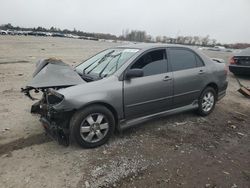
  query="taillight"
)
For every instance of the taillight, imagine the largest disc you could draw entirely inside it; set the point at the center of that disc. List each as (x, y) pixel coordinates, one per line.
(232, 61)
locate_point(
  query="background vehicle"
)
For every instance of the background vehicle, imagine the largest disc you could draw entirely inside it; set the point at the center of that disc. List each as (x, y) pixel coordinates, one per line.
(240, 63)
(3, 32)
(123, 86)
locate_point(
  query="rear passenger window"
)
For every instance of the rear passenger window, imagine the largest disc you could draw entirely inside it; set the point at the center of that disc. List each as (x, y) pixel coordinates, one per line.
(152, 63)
(182, 59)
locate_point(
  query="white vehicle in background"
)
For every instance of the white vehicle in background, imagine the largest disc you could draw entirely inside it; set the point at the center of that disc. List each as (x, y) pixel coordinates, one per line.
(18, 32)
(72, 36)
(217, 48)
(220, 48)
(10, 32)
(3, 32)
(48, 34)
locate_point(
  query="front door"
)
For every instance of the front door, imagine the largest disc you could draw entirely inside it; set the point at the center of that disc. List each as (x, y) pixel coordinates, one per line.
(151, 93)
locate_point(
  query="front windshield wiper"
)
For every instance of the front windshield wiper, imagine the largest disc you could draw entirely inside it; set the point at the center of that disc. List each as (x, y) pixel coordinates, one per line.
(88, 66)
(99, 62)
(119, 54)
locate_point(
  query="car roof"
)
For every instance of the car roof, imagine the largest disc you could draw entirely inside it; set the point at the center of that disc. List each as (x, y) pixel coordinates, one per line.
(146, 46)
(244, 52)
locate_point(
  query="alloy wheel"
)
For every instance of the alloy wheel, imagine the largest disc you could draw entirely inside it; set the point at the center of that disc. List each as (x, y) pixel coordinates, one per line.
(94, 127)
(208, 101)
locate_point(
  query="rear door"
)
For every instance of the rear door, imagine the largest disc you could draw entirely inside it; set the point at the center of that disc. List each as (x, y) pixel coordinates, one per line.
(153, 92)
(189, 75)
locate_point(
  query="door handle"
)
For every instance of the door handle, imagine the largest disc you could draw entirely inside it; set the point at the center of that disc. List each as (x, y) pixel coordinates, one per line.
(167, 78)
(201, 72)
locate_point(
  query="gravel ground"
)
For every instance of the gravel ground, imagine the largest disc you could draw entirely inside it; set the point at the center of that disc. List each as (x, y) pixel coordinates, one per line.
(182, 150)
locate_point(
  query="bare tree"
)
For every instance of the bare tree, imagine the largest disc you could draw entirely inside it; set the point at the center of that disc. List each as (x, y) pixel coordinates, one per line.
(205, 40)
(196, 40)
(158, 39)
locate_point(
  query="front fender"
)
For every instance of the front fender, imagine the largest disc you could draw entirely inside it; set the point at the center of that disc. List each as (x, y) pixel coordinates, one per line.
(104, 91)
(86, 100)
(76, 103)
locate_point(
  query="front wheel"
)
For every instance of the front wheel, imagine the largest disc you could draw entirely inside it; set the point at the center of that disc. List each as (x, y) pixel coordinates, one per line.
(92, 126)
(207, 101)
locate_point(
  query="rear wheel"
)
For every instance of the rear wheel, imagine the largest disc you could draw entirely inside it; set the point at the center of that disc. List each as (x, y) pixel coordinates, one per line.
(207, 101)
(92, 126)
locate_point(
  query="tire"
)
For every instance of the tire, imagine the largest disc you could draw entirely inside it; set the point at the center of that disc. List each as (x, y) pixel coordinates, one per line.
(92, 126)
(206, 106)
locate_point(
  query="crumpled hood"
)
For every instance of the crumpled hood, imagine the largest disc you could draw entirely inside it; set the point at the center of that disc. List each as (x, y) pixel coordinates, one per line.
(54, 73)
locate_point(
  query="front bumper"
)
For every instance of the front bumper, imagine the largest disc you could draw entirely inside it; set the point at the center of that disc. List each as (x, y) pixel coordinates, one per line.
(55, 124)
(222, 91)
(240, 69)
(57, 132)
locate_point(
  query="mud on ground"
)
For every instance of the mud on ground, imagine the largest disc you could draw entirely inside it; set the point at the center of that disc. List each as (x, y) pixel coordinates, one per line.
(183, 150)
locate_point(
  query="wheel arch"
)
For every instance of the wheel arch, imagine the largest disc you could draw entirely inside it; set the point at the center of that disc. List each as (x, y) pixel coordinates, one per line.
(214, 86)
(108, 106)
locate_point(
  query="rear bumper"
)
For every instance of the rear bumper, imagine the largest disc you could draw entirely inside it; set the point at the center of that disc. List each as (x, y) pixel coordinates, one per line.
(239, 69)
(222, 91)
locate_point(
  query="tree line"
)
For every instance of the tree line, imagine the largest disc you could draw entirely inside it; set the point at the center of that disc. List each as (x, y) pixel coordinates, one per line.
(58, 30)
(133, 35)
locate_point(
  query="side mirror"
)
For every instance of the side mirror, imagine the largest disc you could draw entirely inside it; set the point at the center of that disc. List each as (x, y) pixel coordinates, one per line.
(133, 73)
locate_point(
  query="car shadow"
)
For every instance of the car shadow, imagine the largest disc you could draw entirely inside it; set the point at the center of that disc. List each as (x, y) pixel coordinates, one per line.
(243, 77)
(158, 121)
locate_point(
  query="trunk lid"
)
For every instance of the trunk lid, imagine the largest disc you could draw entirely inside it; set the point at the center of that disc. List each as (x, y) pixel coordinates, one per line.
(242, 60)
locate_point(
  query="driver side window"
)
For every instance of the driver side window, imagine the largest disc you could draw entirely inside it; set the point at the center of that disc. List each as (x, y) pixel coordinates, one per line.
(153, 62)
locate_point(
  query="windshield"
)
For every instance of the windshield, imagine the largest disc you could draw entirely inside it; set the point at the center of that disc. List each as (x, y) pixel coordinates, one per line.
(106, 62)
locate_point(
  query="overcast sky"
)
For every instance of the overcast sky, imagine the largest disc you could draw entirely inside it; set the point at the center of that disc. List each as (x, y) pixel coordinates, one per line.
(225, 20)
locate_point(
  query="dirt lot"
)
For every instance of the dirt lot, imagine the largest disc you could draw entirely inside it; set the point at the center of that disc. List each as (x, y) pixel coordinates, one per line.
(183, 150)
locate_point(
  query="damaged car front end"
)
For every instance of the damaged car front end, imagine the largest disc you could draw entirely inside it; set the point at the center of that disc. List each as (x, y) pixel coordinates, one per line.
(50, 76)
(54, 122)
